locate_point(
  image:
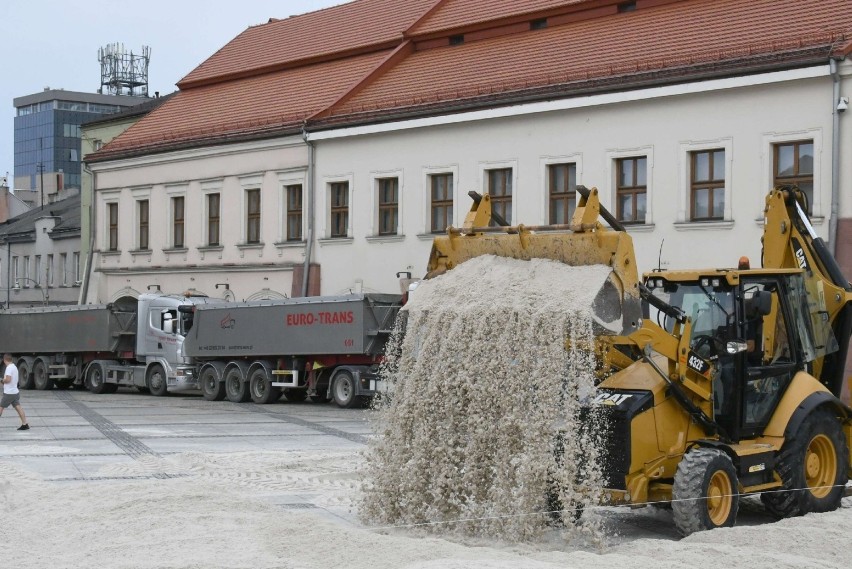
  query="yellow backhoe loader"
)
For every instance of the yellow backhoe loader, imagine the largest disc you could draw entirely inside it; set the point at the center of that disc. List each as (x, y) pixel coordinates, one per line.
(718, 383)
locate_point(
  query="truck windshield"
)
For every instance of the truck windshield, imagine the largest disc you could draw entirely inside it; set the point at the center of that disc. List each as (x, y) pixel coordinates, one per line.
(709, 308)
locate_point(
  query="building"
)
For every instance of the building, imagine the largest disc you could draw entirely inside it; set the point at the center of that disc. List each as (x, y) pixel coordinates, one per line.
(94, 133)
(47, 136)
(40, 256)
(344, 139)
(12, 204)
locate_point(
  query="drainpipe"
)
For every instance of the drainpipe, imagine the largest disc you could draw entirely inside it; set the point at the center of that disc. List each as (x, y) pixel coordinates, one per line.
(310, 233)
(84, 291)
(835, 158)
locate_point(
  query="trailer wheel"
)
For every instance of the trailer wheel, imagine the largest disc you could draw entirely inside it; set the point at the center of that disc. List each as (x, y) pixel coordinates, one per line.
(236, 387)
(343, 391)
(260, 386)
(812, 467)
(157, 381)
(25, 380)
(95, 379)
(705, 494)
(41, 377)
(211, 388)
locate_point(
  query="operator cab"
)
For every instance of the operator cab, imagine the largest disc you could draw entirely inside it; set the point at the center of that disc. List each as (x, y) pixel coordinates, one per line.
(757, 331)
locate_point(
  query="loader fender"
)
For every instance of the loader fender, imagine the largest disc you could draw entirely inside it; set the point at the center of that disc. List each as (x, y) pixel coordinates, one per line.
(803, 387)
(809, 405)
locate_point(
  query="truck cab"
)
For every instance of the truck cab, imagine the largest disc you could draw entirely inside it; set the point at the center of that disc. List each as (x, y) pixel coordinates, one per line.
(162, 325)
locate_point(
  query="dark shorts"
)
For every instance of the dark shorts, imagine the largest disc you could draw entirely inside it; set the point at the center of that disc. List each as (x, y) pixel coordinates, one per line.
(13, 399)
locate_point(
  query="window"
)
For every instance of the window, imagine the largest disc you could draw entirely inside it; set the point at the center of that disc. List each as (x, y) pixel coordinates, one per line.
(339, 209)
(26, 269)
(98, 144)
(15, 268)
(177, 222)
(707, 185)
(442, 202)
(631, 188)
(63, 267)
(794, 164)
(37, 274)
(253, 216)
(562, 192)
(76, 261)
(142, 208)
(500, 190)
(112, 220)
(388, 205)
(294, 212)
(213, 213)
(48, 275)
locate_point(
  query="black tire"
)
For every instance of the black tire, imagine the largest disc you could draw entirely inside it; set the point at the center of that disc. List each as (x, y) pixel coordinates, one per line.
(95, 379)
(705, 493)
(321, 396)
(296, 395)
(812, 467)
(41, 376)
(25, 377)
(236, 387)
(211, 388)
(343, 391)
(157, 381)
(260, 387)
(143, 390)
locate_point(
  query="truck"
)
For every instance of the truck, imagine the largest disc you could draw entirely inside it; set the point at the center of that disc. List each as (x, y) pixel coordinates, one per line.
(727, 384)
(131, 342)
(325, 347)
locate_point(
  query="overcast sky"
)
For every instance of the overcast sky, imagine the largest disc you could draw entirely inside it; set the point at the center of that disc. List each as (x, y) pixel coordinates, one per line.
(55, 43)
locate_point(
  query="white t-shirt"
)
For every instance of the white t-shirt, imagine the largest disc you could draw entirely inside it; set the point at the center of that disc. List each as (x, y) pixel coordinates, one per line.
(12, 386)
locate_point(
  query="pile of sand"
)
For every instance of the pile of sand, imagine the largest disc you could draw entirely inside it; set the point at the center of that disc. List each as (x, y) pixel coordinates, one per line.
(481, 389)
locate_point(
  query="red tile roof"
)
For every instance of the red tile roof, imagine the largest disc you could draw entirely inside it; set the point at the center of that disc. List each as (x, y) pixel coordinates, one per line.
(335, 65)
(456, 13)
(353, 26)
(258, 104)
(679, 35)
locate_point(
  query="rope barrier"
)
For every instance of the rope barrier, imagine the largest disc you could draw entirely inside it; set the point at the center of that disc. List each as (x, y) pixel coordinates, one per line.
(581, 509)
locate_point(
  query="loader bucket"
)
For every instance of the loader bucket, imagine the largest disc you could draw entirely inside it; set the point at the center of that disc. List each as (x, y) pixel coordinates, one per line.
(585, 241)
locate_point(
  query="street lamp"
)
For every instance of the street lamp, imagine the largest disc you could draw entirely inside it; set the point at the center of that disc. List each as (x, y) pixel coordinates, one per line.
(17, 288)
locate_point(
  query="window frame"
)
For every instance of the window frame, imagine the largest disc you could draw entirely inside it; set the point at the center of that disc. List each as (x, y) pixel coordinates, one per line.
(564, 196)
(339, 212)
(253, 218)
(178, 215)
(210, 219)
(634, 190)
(447, 204)
(797, 177)
(112, 226)
(143, 224)
(383, 206)
(501, 179)
(63, 261)
(294, 216)
(712, 184)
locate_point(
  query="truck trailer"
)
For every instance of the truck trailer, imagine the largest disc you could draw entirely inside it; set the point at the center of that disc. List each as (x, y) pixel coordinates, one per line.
(324, 347)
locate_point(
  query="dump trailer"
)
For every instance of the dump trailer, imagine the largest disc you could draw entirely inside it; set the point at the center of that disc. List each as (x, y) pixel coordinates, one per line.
(326, 347)
(131, 342)
(729, 382)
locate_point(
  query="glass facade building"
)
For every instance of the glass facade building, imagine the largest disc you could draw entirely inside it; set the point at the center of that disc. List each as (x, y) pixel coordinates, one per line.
(47, 135)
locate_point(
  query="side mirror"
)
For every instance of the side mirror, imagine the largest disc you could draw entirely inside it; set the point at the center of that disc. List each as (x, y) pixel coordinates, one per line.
(736, 347)
(764, 302)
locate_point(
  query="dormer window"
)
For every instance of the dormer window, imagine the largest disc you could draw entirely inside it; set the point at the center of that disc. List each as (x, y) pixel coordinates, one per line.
(538, 24)
(457, 39)
(626, 7)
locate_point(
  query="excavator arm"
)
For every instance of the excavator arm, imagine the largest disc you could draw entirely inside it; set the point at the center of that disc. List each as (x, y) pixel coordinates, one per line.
(789, 242)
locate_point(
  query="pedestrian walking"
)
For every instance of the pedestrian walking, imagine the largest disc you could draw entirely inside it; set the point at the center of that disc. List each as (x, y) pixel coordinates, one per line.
(11, 394)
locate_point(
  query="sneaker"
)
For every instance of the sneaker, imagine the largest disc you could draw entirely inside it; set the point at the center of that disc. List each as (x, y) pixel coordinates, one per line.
(24, 427)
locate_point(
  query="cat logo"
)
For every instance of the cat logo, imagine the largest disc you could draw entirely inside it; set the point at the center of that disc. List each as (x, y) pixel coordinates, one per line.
(799, 252)
(611, 399)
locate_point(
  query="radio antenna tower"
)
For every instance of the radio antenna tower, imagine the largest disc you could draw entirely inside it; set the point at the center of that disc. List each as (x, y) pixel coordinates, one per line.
(124, 72)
